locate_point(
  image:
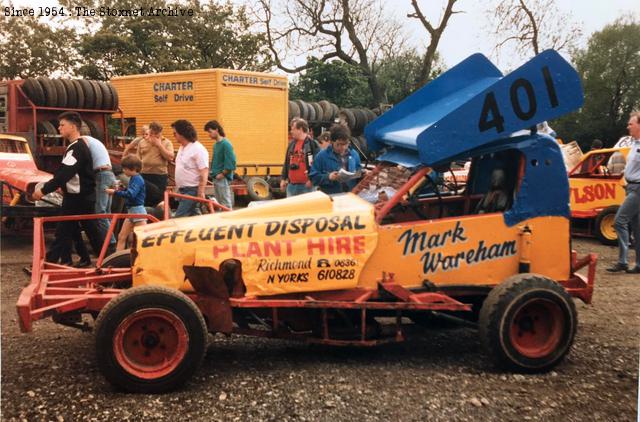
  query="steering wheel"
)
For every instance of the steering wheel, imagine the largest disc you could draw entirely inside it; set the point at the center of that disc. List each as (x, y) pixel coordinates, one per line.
(413, 202)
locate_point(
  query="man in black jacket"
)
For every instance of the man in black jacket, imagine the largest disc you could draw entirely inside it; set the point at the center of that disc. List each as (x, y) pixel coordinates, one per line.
(76, 178)
(298, 160)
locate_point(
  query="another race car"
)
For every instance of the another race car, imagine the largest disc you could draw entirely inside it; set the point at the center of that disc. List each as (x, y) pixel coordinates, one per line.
(344, 270)
(596, 192)
(19, 177)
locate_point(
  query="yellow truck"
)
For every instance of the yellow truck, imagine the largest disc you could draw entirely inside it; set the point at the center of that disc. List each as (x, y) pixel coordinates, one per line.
(251, 106)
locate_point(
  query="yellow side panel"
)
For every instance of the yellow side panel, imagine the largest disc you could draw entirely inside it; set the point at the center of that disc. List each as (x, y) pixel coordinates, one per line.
(324, 248)
(167, 97)
(591, 193)
(255, 120)
(475, 250)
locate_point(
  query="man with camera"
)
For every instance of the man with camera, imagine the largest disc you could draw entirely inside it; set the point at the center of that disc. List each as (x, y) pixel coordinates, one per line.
(298, 160)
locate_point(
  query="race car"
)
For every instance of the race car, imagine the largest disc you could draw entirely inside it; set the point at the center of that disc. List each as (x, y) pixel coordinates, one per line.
(369, 266)
(596, 191)
(19, 177)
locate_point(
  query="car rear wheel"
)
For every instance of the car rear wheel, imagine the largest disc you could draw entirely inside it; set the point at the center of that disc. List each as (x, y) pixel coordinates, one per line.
(604, 227)
(528, 323)
(258, 189)
(150, 339)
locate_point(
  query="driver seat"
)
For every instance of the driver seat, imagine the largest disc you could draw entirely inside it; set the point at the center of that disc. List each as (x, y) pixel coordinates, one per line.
(497, 198)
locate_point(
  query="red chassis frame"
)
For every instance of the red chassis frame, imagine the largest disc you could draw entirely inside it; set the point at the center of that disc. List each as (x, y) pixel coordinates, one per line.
(59, 291)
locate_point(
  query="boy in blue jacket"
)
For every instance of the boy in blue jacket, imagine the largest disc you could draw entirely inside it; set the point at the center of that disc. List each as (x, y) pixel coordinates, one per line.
(327, 164)
(134, 198)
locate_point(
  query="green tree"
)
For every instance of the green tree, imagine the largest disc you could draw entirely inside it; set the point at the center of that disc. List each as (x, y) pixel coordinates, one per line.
(29, 47)
(402, 75)
(346, 85)
(610, 71)
(216, 35)
(335, 81)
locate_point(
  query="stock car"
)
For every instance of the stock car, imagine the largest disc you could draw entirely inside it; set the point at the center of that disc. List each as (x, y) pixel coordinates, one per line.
(19, 177)
(359, 268)
(596, 186)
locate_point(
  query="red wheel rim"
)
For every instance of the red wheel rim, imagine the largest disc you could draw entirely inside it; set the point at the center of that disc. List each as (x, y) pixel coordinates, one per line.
(150, 343)
(536, 329)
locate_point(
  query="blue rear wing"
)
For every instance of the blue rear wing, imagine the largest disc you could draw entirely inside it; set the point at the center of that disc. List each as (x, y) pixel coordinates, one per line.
(472, 105)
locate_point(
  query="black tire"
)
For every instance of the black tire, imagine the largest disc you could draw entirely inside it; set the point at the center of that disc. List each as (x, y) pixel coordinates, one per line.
(61, 93)
(335, 110)
(311, 112)
(79, 92)
(540, 310)
(119, 259)
(96, 130)
(46, 128)
(70, 90)
(294, 110)
(302, 107)
(85, 130)
(33, 89)
(347, 116)
(50, 92)
(132, 334)
(107, 101)
(361, 118)
(97, 92)
(371, 116)
(115, 101)
(87, 92)
(604, 230)
(318, 111)
(258, 189)
(327, 111)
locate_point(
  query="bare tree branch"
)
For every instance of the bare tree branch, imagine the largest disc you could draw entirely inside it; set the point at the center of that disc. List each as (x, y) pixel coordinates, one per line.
(435, 33)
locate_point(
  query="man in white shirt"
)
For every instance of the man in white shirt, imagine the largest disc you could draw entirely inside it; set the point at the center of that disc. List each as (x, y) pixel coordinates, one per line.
(192, 166)
(628, 214)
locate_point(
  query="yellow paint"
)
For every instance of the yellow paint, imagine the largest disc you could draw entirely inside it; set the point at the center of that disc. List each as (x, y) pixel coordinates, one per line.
(272, 245)
(251, 106)
(597, 191)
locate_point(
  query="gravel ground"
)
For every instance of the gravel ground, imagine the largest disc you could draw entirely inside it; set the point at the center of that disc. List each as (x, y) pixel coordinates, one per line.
(51, 373)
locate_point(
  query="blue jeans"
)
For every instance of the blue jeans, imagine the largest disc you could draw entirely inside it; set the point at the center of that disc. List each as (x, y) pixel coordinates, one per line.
(629, 215)
(187, 207)
(104, 179)
(294, 189)
(223, 192)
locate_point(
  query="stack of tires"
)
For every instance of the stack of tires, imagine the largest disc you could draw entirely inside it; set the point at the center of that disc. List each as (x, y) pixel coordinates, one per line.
(71, 93)
(315, 112)
(356, 119)
(89, 128)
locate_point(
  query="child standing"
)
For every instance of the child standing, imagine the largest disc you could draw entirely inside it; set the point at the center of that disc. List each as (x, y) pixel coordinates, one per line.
(134, 197)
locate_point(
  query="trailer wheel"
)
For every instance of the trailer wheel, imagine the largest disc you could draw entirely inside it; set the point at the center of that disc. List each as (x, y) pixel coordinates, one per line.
(70, 90)
(114, 96)
(61, 93)
(605, 231)
(258, 189)
(97, 94)
(528, 323)
(88, 94)
(150, 339)
(34, 91)
(79, 92)
(50, 92)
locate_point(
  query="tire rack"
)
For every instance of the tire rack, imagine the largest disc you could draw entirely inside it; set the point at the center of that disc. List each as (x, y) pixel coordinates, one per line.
(41, 149)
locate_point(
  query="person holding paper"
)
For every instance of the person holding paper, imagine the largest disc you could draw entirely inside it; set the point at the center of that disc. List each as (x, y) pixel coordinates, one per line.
(337, 168)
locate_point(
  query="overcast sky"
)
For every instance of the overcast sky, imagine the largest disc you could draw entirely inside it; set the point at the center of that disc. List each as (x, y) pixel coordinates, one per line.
(468, 32)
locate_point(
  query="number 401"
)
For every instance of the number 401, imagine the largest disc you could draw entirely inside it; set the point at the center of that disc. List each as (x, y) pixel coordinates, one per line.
(490, 117)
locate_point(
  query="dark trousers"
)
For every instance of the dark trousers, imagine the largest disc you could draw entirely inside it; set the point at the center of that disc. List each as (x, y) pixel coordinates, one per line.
(155, 185)
(69, 232)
